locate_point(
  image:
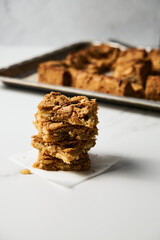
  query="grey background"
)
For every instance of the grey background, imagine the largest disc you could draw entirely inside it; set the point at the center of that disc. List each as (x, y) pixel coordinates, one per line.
(52, 22)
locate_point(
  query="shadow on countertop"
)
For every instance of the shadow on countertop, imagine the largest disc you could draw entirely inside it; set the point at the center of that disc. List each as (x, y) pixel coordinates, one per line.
(136, 169)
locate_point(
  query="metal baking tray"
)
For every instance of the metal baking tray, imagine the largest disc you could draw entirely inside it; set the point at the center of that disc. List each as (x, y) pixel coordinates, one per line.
(24, 74)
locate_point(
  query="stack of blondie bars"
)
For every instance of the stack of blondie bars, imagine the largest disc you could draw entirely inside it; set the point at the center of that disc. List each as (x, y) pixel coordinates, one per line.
(67, 129)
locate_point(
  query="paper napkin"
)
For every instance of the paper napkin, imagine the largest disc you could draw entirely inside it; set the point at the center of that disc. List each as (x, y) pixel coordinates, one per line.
(99, 164)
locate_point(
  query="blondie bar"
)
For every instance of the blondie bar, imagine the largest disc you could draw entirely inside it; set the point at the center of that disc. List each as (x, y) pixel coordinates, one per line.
(77, 110)
(154, 55)
(135, 71)
(47, 162)
(59, 131)
(54, 72)
(94, 59)
(65, 150)
(77, 60)
(130, 54)
(102, 55)
(103, 83)
(152, 90)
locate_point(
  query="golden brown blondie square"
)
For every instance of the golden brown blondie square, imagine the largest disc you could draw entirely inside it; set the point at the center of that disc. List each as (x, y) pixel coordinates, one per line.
(77, 60)
(103, 56)
(59, 131)
(49, 163)
(103, 83)
(154, 55)
(93, 59)
(135, 71)
(77, 110)
(130, 54)
(54, 72)
(152, 90)
(65, 150)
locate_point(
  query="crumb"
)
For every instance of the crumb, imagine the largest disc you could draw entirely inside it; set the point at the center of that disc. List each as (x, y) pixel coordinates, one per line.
(25, 171)
(93, 171)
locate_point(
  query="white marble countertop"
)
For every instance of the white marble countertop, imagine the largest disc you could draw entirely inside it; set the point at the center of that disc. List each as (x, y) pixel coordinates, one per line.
(122, 204)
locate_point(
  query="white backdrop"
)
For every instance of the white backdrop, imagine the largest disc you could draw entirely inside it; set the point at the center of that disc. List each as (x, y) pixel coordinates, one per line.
(52, 22)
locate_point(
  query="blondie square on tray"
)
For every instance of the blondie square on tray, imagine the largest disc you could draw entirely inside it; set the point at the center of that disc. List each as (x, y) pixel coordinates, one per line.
(104, 84)
(153, 88)
(54, 72)
(135, 71)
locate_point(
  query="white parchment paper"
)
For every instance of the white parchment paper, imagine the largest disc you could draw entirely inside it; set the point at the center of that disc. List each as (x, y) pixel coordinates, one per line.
(69, 179)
